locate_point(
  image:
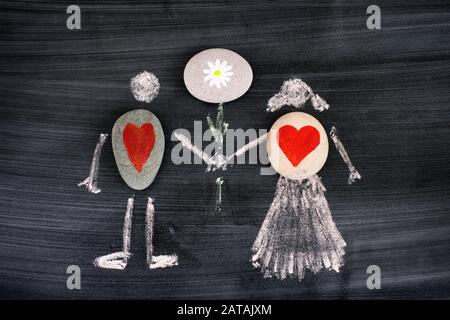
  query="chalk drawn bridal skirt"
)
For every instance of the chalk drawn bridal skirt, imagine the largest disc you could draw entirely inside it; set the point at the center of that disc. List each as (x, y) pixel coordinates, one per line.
(298, 233)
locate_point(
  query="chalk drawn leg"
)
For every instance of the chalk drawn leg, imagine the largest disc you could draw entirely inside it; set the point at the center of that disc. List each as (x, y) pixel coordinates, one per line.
(119, 260)
(155, 262)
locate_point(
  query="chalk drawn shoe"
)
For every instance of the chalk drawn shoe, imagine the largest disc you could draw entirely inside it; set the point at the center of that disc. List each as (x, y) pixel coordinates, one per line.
(164, 261)
(116, 261)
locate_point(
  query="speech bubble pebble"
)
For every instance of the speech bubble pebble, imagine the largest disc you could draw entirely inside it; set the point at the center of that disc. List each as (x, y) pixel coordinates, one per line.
(217, 75)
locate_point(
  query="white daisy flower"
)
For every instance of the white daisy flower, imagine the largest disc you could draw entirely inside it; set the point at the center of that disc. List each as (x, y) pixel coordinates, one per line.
(218, 74)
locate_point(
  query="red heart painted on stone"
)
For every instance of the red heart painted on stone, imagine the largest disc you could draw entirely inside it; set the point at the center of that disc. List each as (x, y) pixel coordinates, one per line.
(297, 144)
(139, 142)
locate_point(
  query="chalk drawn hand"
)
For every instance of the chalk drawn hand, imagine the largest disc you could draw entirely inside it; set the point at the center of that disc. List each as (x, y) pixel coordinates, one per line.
(218, 129)
(354, 174)
(218, 161)
(91, 181)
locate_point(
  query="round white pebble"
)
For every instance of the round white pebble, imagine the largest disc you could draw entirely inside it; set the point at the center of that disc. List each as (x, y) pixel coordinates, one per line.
(217, 75)
(297, 145)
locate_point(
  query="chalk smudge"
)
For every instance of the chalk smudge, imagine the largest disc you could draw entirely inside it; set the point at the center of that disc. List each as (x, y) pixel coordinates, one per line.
(119, 260)
(91, 181)
(295, 93)
(144, 86)
(354, 174)
(298, 233)
(161, 261)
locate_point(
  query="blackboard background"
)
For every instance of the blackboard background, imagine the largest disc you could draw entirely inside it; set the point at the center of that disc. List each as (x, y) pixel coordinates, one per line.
(59, 89)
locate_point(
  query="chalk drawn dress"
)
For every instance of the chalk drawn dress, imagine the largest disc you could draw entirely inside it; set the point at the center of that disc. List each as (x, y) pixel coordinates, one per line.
(298, 232)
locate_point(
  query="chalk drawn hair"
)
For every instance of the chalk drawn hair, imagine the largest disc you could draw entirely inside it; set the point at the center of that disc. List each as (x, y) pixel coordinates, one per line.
(144, 86)
(296, 93)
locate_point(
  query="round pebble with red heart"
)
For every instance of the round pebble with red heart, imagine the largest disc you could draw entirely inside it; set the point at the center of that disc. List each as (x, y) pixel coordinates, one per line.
(297, 146)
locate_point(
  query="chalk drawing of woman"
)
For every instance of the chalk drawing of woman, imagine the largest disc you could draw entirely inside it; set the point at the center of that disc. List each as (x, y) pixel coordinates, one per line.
(298, 232)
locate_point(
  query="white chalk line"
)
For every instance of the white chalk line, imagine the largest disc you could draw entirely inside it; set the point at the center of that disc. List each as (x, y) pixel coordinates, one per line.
(91, 181)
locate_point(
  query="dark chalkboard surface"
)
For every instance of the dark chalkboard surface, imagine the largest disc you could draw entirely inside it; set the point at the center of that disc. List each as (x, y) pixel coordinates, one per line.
(59, 89)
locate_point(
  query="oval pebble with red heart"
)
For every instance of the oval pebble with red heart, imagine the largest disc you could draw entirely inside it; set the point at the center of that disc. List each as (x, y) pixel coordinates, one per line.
(138, 146)
(297, 145)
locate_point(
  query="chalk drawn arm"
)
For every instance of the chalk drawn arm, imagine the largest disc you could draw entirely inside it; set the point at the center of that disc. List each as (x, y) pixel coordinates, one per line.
(354, 174)
(91, 181)
(247, 147)
(188, 145)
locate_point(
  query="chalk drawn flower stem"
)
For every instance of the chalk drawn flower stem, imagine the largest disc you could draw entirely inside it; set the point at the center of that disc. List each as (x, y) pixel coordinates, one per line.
(218, 160)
